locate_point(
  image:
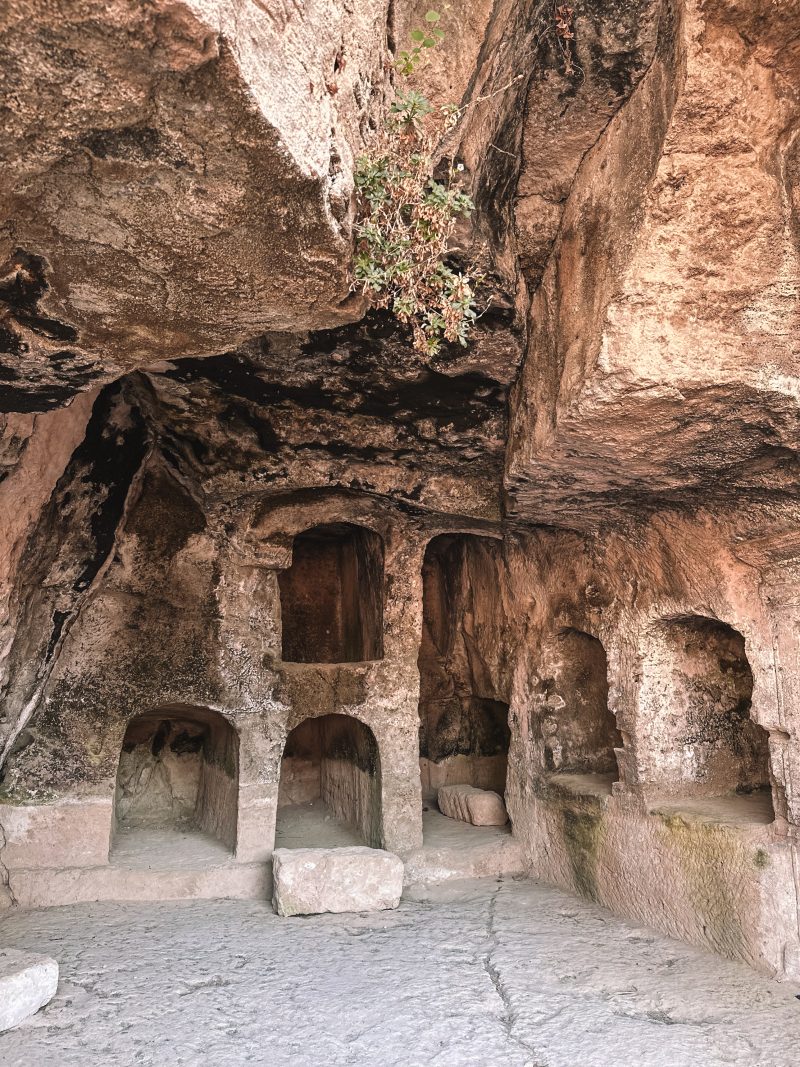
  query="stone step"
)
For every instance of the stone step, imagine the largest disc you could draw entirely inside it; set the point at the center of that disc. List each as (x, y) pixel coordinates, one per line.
(308, 881)
(430, 865)
(76, 885)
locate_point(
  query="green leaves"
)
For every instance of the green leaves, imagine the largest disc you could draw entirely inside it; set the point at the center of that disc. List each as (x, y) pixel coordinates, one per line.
(402, 242)
(405, 62)
(434, 34)
(410, 107)
(407, 218)
(372, 178)
(412, 102)
(408, 59)
(449, 199)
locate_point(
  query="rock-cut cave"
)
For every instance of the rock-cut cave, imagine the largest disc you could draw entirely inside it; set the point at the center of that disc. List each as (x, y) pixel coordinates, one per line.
(400, 528)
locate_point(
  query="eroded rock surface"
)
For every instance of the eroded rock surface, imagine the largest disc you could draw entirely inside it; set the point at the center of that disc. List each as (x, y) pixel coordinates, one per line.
(177, 182)
(665, 365)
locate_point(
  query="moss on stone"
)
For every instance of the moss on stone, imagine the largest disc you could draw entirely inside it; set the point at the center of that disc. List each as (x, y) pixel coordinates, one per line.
(707, 858)
(582, 836)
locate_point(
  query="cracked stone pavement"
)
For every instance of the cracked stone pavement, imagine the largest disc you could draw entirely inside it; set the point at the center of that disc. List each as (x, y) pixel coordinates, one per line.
(476, 973)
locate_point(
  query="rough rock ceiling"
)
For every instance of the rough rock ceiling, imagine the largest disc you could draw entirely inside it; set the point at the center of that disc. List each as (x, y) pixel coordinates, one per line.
(176, 215)
(356, 409)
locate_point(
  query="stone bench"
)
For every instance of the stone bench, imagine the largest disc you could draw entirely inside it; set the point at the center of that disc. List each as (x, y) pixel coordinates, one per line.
(307, 881)
(27, 983)
(481, 807)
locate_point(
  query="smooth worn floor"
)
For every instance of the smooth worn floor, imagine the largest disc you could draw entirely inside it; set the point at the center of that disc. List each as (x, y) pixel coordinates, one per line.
(167, 849)
(478, 973)
(440, 832)
(746, 809)
(313, 826)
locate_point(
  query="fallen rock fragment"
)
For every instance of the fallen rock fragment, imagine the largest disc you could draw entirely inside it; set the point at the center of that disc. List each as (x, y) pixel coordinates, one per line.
(27, 983)
(481, 807)
(308, 881)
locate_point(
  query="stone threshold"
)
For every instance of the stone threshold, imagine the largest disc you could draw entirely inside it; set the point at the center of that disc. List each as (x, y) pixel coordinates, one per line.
(42, 888)
(451, 850)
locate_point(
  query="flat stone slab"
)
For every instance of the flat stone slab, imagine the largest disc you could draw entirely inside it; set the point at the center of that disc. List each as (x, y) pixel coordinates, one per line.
(27, 983)
(308, 881)
(481, 807)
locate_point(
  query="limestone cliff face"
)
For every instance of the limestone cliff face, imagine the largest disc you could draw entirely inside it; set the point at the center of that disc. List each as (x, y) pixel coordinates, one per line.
(187, 382)
(176, 178)
(663, 359)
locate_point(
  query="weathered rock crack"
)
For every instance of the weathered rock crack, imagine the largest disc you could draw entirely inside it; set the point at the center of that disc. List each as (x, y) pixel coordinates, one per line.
(508, 1015)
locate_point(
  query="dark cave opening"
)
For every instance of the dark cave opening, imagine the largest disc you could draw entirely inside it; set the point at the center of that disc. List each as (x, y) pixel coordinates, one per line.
(464, 732)
(332, 596)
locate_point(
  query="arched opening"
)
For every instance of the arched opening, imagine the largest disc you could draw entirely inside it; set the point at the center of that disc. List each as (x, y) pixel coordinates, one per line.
(177, 784)
(579, 732)
(698, 739)
(330, 785)
(332, 596)
(464, 732)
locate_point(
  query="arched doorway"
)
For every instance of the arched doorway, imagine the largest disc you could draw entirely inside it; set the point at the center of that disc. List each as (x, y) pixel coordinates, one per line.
(578, 732)
(463, 729)
(464, 734)
(332, 596)
(696, 735)
(178, 778)
(330, 785)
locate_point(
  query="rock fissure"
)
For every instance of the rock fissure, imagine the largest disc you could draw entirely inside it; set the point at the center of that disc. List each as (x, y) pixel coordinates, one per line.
(117, 486)
(508, 1014)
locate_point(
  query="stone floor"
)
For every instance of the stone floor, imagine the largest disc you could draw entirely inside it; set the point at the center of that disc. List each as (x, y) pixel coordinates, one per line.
(450, 850)
(479, 973)
(298, 826)
(439, 832)
(313, 826)
(167, 849)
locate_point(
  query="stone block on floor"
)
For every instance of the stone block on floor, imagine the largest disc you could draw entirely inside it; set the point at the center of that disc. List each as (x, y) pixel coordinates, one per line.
(27, 983)
(307, 881)
(481, 807)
